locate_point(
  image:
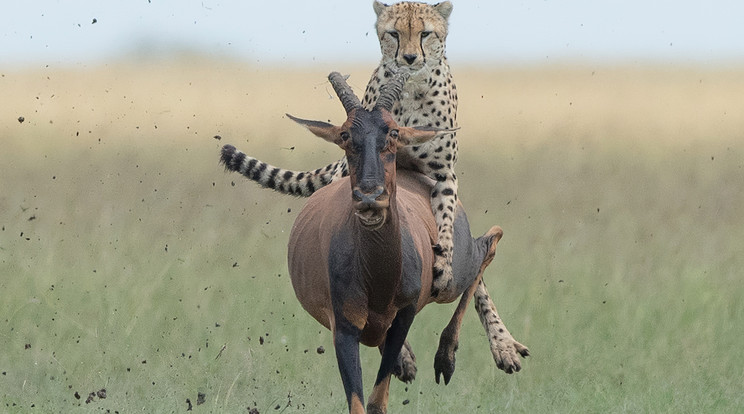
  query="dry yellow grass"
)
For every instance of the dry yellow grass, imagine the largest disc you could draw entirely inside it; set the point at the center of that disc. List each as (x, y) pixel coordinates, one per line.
(189, 101)
(647, 105)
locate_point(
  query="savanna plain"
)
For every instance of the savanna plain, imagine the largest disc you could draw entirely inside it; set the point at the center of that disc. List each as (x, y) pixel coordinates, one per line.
(136, 275)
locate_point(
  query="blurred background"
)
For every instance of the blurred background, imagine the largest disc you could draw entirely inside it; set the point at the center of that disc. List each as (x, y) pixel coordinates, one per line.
(605, 137)
(295, 33)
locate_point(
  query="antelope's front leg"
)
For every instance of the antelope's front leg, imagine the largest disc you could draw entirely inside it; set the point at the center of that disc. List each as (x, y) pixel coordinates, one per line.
(346, 343)
(394, 340)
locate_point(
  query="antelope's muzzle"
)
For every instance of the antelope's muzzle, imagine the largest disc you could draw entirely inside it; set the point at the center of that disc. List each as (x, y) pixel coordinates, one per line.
(371, 207)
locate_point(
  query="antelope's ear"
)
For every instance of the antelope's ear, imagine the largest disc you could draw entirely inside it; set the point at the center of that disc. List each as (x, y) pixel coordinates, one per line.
(328, 132)
(419, 135)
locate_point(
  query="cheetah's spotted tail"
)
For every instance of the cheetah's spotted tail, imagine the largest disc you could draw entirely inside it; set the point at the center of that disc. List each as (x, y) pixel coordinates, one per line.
(297, 183)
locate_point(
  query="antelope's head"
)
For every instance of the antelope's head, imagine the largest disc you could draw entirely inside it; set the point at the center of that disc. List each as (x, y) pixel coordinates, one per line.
(370, 139)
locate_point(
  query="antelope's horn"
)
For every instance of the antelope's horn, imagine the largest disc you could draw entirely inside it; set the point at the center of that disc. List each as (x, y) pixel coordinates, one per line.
(344, 92)
(390, 92)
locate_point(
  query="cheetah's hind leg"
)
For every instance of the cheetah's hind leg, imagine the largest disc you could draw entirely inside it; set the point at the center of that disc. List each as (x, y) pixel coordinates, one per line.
(505, 349)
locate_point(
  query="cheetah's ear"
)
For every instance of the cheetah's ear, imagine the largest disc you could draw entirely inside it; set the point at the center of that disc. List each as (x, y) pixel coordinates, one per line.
(419, 135)
(379, 7)
(328, 132)
(444, 9)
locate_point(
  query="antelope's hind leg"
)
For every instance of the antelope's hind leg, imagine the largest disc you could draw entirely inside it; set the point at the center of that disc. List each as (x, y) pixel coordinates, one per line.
(444, 360)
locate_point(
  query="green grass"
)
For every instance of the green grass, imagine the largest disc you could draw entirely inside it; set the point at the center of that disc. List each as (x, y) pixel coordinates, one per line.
(128, 263)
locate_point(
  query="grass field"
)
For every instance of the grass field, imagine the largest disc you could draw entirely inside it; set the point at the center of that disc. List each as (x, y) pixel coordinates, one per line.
(130, 261)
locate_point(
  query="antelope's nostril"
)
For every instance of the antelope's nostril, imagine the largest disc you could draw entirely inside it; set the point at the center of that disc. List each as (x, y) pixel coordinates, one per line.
(368, 199)
(358, 196)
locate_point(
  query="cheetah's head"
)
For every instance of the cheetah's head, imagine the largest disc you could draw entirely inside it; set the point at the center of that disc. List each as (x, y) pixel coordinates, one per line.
(412, 35)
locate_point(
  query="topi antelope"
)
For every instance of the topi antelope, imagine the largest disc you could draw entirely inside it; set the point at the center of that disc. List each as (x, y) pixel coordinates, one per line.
(360, 252)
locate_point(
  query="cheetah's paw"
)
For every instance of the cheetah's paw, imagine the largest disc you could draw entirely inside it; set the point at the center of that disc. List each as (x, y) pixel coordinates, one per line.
(506, 352)
(405, 367)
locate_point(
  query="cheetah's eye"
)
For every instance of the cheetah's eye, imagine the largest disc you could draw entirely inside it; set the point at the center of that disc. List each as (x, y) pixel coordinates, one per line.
(393, 33)
(345, 135)
(394, 134)
(424, 35)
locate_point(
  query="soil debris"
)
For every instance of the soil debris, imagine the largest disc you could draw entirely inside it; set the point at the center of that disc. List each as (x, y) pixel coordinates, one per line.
(100, 394)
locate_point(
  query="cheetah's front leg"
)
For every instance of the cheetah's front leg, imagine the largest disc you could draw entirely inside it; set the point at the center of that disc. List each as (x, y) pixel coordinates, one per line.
(444, 204)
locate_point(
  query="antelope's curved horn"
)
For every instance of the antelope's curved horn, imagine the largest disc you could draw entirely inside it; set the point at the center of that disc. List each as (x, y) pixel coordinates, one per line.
(390, 92)
(344, 92)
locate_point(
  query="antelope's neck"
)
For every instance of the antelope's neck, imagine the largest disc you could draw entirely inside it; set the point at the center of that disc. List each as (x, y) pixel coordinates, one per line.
(380, 258)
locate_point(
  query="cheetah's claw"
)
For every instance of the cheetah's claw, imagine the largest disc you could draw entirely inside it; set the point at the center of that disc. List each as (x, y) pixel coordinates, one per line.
(506, 352)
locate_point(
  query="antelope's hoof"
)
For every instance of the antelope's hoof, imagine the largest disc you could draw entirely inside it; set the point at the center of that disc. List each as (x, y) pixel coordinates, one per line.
(373, 409)
(444, 363)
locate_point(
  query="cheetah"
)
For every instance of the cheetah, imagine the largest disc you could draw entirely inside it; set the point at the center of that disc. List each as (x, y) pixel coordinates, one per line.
(412, 38)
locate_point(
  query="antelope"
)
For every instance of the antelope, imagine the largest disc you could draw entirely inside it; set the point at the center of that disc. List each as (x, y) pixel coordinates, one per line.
(360, 252)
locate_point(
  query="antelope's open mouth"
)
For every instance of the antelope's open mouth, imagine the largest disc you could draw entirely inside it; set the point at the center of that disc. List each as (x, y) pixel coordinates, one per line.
(371, 207)
(371, 218)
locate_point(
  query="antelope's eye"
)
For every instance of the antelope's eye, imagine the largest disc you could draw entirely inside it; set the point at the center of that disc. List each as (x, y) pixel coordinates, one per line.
(345, 135)
(394, 133)
(424, 35)
(393, 33)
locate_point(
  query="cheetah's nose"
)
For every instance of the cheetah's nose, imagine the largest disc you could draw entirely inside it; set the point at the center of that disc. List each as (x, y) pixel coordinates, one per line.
(410, 58)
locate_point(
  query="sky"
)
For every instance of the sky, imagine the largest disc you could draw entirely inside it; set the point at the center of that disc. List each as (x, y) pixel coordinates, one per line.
(270, 32)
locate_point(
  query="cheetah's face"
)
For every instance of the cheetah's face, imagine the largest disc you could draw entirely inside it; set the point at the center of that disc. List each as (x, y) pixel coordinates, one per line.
(412, 35)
